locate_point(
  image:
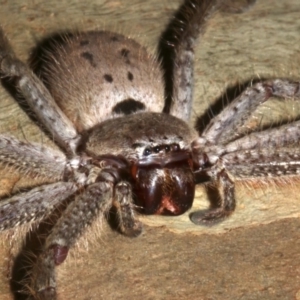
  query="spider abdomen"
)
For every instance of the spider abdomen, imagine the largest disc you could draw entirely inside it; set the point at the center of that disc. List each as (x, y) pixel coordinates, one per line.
(97, 75)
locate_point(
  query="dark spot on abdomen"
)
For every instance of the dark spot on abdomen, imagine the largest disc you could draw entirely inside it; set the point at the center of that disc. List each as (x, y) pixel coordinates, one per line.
(128, 107)
(125, 52)
(89, 57)
(130, 76)
(108, 78)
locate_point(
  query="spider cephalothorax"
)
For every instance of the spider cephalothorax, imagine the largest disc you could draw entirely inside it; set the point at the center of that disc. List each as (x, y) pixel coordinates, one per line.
(121, 125)
(158, 147)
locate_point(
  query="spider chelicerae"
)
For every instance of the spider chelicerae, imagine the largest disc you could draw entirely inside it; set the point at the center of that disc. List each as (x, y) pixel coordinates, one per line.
(121, 125)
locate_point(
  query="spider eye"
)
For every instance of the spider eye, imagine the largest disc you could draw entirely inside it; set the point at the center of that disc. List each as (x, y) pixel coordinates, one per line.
(147, 151)
(175, 147)
(156, 149)
(167, 148)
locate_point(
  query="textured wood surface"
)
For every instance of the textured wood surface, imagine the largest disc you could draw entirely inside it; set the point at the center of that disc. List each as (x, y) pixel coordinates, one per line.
(174, 259)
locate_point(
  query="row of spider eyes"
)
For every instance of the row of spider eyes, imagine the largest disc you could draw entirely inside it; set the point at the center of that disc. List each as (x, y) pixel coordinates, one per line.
(161, 148)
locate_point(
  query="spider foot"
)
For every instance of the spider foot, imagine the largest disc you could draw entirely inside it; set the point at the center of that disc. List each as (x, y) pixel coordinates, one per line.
(128, 223)
(48, 293)
(43, 276)
(134, 230)
(226, 207)
(209, 217)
